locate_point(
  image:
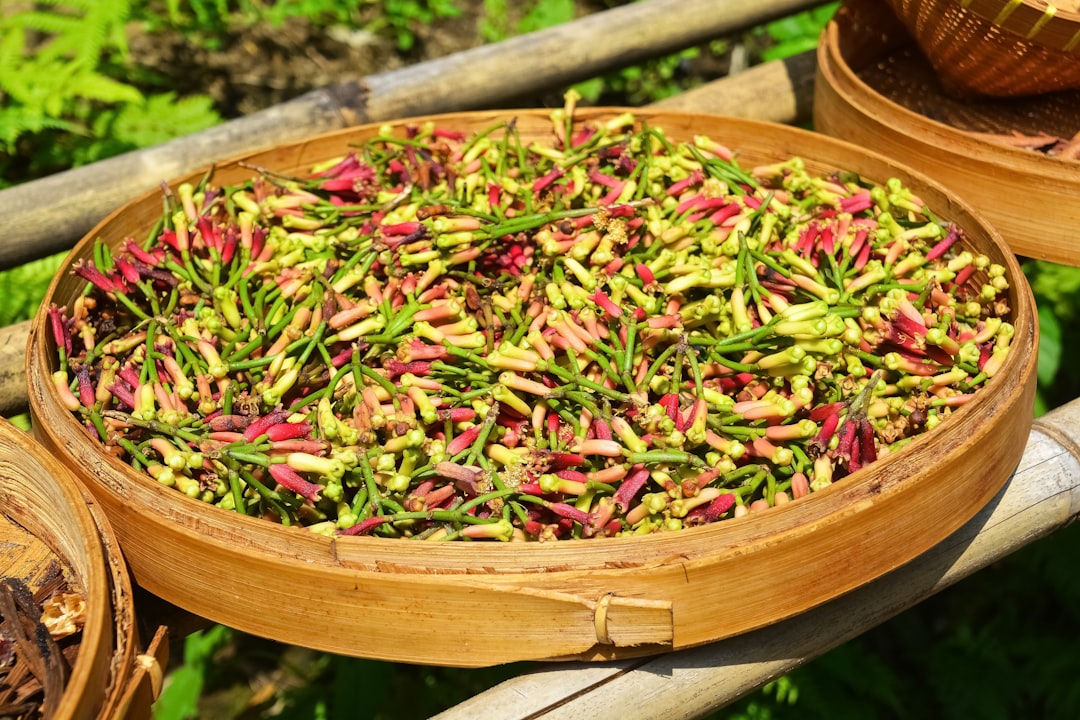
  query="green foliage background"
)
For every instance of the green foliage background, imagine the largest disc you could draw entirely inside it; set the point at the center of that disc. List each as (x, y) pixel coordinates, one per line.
(998, 645)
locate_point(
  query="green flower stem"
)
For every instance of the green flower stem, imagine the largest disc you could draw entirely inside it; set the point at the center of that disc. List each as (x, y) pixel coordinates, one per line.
(657, 457)
(155, 427)
(271, 498)
(577, 379)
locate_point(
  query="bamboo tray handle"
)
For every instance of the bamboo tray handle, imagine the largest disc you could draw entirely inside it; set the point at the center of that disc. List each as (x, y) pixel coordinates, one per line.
(631, 622)
(1041, 497)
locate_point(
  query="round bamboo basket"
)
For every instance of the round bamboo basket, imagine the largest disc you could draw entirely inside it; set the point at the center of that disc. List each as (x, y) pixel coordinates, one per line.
(476, 604)
(1002, 48)
(46, 523)
(874, 89)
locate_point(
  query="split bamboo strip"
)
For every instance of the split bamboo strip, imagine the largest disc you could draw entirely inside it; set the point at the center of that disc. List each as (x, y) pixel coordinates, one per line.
(36, 224)
(1042, 497)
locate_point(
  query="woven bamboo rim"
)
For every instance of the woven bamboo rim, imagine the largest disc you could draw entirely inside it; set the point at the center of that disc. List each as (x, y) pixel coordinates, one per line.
(1050, 24)
(997, 47)
(474, 604)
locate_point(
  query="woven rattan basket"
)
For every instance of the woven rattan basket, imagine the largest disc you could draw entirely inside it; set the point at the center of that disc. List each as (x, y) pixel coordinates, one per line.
(475, 604)
(1002, 48)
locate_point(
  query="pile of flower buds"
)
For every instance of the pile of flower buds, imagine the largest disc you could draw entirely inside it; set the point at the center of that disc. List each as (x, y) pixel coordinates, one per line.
(439, 336)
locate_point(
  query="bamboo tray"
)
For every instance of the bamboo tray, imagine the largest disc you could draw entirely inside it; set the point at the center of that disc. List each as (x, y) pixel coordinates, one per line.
(874, 88)
(475, 604)
(46, 526)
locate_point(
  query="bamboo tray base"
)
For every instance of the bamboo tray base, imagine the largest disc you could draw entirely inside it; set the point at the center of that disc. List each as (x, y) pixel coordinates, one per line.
(477, 604)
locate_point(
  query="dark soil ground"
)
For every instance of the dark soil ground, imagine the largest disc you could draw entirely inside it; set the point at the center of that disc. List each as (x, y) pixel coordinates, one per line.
(261, 66)
(253, 68)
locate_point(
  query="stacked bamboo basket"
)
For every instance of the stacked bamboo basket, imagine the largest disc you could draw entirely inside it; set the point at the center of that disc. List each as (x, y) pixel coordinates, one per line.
(1003, 48)
(477, 604)
(875, 88)
(47, 522)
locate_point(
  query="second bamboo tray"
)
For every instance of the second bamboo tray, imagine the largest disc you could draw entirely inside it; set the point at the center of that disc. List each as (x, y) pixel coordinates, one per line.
(475, 604)
(873, 88)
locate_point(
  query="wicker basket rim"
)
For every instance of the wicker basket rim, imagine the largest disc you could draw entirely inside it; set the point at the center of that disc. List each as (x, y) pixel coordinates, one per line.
(1039, 21)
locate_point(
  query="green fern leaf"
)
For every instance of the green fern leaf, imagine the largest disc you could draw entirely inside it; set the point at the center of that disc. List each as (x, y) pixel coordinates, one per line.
(47, 22)
(62, 30)
(162, 117)
(41, 85)
(24, 287)
(12, 42)
(72, 5)
(100, 20)
(18, 121)
(55, 102)
(82, 31)
(95, 86)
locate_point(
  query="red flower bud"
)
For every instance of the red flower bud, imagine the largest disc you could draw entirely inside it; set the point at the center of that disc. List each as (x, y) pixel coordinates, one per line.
(291, 480)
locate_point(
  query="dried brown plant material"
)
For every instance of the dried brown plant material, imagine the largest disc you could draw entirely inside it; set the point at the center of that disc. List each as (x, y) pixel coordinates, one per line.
(64, 614)
(1015, 139)
(33, 682)
(1068, 149)
(1045, 143)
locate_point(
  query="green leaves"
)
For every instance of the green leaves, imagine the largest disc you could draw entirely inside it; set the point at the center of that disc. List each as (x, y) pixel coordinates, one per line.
(23, 287)
(51, 63)
(163, 117)
(545, 14)
(1057, 297)
(796, 34)
(180, 698)
(402, 17)
(95, 86)
(496, 24)
(18, 121)
(67, 96)
(1049, 352)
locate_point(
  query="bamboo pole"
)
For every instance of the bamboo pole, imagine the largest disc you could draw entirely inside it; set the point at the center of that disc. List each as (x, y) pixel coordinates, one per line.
(781, 91)
(778, 91)
(1041, 497)
(46, 216)
(13, 396)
